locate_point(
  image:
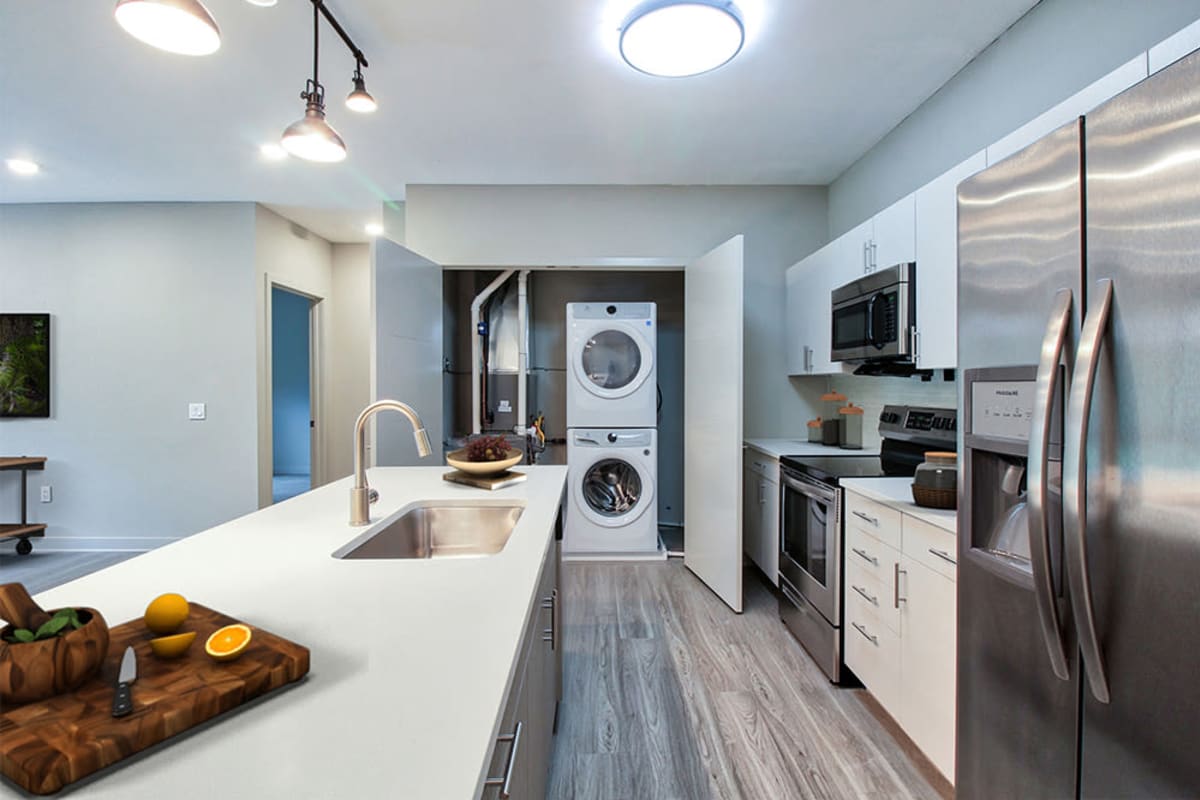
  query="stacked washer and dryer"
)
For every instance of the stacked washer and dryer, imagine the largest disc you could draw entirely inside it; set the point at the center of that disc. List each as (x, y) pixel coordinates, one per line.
(612, 432)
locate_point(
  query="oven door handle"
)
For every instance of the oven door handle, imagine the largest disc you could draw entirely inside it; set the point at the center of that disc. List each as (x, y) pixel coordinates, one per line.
(808, 488)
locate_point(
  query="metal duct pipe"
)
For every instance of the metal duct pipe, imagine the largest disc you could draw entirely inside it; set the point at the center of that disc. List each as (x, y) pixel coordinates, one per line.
(522, 348)
(477, 348)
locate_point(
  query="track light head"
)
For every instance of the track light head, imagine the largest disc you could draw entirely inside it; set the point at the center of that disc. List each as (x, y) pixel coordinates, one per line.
(311, 137)
(177, 26)
(360, 99)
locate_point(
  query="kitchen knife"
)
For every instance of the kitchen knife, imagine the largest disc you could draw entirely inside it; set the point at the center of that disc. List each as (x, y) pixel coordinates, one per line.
(123, 698)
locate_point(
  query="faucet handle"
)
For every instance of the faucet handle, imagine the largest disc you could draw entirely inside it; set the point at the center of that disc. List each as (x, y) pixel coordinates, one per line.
(372, 496)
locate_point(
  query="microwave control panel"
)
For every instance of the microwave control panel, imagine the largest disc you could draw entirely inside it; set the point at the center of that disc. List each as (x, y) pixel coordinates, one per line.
(1002, 409)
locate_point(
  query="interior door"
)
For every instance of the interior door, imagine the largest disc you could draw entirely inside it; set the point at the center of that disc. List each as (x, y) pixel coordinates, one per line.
(407, 363)
(712, 448)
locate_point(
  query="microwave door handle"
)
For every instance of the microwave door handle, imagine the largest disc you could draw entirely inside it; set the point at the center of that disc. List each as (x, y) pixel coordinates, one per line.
(871, 321)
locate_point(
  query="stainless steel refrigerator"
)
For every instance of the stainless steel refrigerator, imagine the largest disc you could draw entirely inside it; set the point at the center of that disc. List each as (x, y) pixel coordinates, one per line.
(1079, 523)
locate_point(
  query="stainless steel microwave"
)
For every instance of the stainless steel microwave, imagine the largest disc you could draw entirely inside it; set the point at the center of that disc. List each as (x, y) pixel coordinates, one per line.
(874, 316)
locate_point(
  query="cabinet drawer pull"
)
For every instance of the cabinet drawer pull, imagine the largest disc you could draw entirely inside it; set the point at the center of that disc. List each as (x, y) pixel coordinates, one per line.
(896, 598)
(551, 634)
(505, 782)
(866, 518)
(872, 639)
(943, 555)
(872, 600)
(863, 555)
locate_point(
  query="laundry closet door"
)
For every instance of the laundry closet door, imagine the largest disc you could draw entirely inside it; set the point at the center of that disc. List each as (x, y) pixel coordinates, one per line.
(406, 306)
(712, 472)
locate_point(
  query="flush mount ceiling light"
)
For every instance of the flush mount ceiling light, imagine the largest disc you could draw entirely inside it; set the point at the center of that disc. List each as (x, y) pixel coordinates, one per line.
(263, 3)
(22, 166)
(360, 99)
(373, 229)
(678, 38)
(177, 26)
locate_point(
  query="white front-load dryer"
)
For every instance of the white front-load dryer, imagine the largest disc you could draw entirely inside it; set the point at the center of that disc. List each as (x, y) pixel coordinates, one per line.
(612, 371)
(612, 511)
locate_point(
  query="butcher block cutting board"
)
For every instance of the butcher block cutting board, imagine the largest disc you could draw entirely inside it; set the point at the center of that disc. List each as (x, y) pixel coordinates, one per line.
(51, 743)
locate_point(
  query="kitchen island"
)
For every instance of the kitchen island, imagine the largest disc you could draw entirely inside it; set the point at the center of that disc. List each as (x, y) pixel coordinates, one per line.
(412, 660)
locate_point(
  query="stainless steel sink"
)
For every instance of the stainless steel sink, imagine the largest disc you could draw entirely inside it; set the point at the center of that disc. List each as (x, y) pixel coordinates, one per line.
(439, 530)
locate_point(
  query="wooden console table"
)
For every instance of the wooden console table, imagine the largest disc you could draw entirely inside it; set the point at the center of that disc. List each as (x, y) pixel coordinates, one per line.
(22, 531)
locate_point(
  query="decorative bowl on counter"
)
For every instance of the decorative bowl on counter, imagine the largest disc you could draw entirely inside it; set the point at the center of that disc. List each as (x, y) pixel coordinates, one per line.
(458, 460)
(935, 483)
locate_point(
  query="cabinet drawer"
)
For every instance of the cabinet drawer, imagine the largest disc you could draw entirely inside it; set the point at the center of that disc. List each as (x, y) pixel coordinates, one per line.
(874, 557)
(873, 518)
(761, 464)
(866, 592)
(932, 546)
(873, 653)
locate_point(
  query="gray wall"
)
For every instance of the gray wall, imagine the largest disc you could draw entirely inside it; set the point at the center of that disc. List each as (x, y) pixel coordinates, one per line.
(1055, 50)
(153, 307)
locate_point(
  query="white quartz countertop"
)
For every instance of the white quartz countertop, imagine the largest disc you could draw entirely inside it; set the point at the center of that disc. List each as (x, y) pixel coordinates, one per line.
(777, 448)
(411, 659)
(897, 493)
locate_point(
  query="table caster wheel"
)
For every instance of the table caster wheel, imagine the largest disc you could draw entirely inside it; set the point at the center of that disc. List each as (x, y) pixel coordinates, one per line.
(24, 547)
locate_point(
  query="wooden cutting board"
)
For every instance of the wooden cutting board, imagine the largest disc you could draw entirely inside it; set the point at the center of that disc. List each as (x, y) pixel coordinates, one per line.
(51, 743)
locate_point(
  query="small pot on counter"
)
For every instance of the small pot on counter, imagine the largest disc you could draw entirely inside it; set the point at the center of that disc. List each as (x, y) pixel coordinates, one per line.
(815, 434)
(831, 425)
(850, 427)
(935, 483)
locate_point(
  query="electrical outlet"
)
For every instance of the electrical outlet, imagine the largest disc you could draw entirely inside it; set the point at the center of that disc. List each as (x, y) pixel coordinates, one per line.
(47, 494)
(197, 411)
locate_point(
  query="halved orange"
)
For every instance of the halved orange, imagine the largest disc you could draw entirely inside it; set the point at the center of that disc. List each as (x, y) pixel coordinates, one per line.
(228, 643)
(172, 646)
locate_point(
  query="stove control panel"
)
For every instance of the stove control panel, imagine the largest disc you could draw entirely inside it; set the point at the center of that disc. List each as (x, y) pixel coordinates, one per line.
(931, 426)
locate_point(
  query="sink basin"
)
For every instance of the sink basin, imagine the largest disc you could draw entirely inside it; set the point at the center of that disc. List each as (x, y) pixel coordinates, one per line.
(439, 531)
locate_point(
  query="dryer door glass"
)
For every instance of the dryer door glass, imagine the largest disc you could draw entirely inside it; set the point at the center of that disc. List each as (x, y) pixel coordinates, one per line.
(611, 359)
(612, 487)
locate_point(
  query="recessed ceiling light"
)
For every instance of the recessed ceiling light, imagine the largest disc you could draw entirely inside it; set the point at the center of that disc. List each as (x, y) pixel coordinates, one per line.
(177, 26)
(263, 3)
(374, 229)
(22, 166)
(273, 152)
(677, 38)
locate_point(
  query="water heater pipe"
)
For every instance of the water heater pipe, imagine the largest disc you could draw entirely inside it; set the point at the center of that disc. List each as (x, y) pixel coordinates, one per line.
(522, 349)
(477, 348)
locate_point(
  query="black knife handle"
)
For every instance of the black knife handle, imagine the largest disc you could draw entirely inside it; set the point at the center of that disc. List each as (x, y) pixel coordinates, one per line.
(122, 700)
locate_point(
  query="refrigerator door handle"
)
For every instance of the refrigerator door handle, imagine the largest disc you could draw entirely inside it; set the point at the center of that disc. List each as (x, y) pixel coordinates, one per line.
(1039, 457)
(1075, 488)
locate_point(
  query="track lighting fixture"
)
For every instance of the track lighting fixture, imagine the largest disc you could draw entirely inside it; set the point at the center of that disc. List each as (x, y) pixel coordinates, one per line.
(177, 26)
(360, 99)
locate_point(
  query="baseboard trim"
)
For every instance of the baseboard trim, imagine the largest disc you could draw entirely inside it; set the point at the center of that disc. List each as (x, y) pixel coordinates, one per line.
(97, 544)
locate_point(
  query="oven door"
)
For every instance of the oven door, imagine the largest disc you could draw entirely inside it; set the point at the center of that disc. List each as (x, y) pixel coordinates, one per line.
(811, 542)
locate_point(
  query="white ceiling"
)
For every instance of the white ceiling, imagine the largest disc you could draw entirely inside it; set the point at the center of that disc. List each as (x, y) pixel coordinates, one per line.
(470, 91)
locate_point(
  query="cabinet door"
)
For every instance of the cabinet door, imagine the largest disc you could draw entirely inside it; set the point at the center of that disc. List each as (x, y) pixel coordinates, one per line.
(927, 661)
(768, 532)
(895, 234)
(750, 507)
(841, 261)
(797, 343)
(937, 265)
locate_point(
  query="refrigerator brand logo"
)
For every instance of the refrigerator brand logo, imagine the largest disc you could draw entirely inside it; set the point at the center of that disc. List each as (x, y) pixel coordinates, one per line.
(1007, 392)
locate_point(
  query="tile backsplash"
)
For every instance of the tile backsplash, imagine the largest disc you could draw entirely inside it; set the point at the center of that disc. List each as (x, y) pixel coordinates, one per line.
(873, 393)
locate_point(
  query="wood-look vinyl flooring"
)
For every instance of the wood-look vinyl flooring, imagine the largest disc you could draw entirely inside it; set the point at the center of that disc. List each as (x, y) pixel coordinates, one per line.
(669, 694)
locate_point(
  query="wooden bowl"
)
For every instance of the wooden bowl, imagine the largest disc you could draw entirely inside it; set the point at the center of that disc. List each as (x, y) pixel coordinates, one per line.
(458, 460)
(32, 671)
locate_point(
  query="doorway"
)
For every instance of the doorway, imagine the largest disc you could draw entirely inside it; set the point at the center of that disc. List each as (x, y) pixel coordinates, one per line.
(291, 394)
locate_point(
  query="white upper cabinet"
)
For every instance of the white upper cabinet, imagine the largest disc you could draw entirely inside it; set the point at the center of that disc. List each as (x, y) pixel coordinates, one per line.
(937, 265)
(1078, 104)
(1171, 49)
(894, 239)
(809, 284)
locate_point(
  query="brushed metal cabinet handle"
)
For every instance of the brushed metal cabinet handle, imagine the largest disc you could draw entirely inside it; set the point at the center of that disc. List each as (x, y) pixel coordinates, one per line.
(505, 781)
(943, 555)
(864, 555)
(1053, 344)
(550, 634)
(896, 598)
(1075, 488)
(872, 600)
(866, 518)
(872, 639)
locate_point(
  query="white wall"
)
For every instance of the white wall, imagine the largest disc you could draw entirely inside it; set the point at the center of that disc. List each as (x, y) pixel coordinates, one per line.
(293, 257)
(350, 373)
(1057, 49)
(594, 225)
(152, 307)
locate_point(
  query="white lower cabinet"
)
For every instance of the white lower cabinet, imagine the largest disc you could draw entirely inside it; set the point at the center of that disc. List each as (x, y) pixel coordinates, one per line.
(900, 621)
(760, 511)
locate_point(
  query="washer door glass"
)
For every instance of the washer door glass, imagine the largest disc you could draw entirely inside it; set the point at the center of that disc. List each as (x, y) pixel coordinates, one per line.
(611, 359)
(612, 488)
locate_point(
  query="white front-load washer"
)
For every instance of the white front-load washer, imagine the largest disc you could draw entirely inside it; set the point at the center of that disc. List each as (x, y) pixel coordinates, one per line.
(612, 374)
(612, 512)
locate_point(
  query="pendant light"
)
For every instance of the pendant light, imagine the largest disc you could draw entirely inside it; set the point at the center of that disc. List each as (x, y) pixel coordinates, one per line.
(360, 99)
(679, 38)
(311, 137)
(177, 26)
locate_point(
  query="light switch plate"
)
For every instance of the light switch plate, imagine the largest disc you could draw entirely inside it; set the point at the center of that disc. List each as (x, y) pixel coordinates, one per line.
(197, 411)
(47, 494)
